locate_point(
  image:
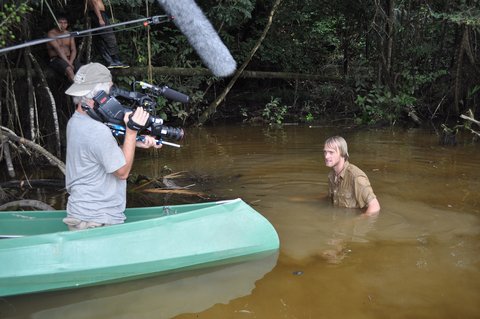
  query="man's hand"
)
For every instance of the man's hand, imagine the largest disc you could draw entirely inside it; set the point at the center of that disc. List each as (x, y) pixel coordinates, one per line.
(147, 142)
(139, 117)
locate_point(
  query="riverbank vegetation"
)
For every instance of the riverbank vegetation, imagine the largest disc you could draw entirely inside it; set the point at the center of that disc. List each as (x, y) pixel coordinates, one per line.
(374, 63)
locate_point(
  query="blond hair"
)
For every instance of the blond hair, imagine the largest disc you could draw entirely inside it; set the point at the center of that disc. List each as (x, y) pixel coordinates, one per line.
(338, 142)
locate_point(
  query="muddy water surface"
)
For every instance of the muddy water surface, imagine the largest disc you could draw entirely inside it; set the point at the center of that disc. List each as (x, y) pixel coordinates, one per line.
(420, 258)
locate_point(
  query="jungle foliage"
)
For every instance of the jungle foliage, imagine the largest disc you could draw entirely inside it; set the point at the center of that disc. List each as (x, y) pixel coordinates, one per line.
(397, 61)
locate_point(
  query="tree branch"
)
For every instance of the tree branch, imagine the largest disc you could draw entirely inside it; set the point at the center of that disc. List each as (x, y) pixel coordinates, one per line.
(39, 149)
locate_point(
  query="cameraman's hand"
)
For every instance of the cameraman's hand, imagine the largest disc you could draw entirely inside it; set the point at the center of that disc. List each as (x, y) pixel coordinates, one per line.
(147, 142)
(139, 117)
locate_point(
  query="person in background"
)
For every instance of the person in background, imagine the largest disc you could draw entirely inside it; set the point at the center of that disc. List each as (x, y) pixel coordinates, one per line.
(348, 185)
(96, 166)
(63, 51)
(105, 42)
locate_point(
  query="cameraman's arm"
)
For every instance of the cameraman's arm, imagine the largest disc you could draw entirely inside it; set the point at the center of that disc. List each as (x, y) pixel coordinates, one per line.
(128, 148)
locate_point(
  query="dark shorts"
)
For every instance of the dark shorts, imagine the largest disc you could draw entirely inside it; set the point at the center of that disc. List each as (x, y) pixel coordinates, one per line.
(60, 65)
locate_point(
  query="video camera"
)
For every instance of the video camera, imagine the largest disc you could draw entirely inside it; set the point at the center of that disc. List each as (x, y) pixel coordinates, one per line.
(109, 110)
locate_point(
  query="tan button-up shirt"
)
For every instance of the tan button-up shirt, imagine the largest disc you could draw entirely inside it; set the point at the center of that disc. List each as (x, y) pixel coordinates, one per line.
(351, 188)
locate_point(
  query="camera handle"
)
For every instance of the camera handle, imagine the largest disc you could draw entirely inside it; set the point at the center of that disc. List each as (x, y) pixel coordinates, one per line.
(141, 138)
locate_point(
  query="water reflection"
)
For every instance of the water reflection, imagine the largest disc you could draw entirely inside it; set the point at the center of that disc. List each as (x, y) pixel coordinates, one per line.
(418, 259)
(348, 227)
(392, 266)
(158, 297)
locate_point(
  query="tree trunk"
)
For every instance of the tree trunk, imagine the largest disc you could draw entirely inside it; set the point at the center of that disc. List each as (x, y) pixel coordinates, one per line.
(457, 87)
(389, 31)
(30, 94)
(213, 106)
(85, 49)
(45, 86)
(5, 153)
(387, 76)
(2, 67)
(384, 26)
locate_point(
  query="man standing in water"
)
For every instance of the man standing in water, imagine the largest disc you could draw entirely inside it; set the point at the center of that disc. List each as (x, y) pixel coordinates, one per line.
(348, 185)
(96, 166)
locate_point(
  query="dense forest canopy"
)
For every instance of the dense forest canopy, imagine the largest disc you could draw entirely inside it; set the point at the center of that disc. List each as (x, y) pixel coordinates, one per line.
(382, 62)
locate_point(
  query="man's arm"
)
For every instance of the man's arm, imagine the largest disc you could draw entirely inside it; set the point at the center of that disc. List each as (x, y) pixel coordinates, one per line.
(364, 194)
(128, 149)
(130, 142)
(73, 50)
(96, 8)
(140, 116)
(373, 208)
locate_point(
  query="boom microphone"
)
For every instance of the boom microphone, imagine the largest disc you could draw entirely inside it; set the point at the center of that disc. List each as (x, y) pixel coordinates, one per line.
(189, 18)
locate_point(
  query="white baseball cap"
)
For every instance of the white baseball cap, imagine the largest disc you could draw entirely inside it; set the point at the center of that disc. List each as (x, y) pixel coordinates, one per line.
(87, 77)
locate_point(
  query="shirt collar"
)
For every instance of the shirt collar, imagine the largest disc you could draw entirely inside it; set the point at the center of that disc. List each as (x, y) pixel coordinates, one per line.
(342, 173)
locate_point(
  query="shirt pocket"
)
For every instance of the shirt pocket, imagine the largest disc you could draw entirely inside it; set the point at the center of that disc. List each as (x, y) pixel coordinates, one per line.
(348, 199)
(347, 195)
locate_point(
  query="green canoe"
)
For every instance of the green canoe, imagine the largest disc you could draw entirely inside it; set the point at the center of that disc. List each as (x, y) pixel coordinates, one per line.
(38, 253)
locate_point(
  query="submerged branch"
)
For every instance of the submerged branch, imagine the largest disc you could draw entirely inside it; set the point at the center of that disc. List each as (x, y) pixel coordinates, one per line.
(170, 187)
(470, 118)
(175, 191)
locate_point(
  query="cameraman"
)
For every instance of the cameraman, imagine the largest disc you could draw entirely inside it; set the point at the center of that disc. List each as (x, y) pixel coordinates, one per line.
(96, 166)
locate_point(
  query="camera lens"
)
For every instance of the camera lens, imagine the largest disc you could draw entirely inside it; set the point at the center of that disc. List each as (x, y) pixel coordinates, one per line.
(173, 133)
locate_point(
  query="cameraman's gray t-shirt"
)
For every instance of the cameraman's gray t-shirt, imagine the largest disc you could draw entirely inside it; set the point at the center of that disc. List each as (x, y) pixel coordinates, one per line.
(93, 155)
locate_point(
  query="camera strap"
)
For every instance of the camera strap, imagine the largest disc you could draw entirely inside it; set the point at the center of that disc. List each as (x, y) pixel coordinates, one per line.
(91, 112)
(131, 124)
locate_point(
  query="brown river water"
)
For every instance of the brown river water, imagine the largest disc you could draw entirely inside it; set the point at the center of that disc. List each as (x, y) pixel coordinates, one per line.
(420, 258)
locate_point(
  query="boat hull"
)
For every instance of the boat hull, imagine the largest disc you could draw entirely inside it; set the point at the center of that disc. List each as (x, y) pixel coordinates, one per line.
(186, 237)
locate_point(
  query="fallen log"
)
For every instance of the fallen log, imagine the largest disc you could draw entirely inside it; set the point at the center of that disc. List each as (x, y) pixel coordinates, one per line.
(34, 183)
(26, 203)
(330, 75)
